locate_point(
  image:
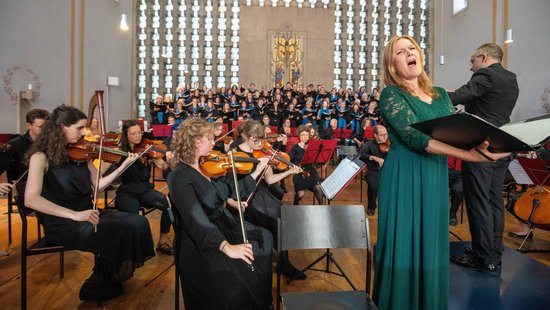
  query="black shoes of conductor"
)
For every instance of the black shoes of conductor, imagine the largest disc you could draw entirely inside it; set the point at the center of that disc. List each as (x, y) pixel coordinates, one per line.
(106, 292)
(471, 261)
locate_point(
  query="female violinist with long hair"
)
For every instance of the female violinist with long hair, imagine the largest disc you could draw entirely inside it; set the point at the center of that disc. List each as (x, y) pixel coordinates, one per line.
(136, 190)
(60, 189)
(210, 251)
(264, 208)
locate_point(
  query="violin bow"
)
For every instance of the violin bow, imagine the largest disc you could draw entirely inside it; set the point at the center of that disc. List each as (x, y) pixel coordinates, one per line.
(260, 178)
(239, 203)
(98, 96)
(224, 135)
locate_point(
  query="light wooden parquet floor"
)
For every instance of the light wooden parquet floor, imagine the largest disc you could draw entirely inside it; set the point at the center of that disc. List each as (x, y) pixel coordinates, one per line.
(46, 290)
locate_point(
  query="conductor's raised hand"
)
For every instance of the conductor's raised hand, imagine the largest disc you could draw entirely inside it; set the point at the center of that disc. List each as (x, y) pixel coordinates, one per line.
(240, 251)
(482, 154)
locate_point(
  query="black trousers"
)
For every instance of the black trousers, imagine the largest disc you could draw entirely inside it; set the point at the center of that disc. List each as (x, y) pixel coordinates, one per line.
(456, 190)
(372, 190)
(482, 189)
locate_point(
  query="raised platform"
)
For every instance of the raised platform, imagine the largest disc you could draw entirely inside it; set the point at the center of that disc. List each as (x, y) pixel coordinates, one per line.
(523, 283)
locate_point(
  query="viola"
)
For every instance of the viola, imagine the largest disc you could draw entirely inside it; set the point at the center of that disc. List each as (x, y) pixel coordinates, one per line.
(384, 147)
(84, 151)
(217, 164)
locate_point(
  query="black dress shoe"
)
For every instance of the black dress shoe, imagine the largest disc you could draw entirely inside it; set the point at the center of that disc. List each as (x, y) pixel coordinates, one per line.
(370, 212)
(106, 291)
(514, 235)
(475, 263)
(470, 252)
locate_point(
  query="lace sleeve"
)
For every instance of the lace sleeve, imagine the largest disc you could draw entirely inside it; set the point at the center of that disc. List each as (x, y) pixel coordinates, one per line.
(396, 111)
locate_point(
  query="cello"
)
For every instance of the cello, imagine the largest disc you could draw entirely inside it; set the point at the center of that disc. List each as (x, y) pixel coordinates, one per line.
(534, 205)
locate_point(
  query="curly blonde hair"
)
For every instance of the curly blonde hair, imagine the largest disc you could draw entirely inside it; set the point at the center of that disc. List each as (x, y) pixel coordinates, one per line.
(185, 137)
(390, 76)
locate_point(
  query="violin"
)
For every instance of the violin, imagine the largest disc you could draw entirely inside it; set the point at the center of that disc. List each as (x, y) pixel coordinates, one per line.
(217, 164)
(84, 151)
(384, 147)
(281, 159)
(151, 148)
(272, 137)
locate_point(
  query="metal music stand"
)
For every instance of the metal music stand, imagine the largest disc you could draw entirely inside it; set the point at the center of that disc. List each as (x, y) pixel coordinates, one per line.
(325, 226)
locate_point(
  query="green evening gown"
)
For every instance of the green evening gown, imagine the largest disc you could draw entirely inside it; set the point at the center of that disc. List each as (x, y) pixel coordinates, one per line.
(412, 252)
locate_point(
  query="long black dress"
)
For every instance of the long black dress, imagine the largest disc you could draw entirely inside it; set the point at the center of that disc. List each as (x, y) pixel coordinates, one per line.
(123, 240)
(302, 182)
(210, 279)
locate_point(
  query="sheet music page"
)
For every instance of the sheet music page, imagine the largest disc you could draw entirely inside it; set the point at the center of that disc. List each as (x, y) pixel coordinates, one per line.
(519, 173)
(340, 177)
(532, 132)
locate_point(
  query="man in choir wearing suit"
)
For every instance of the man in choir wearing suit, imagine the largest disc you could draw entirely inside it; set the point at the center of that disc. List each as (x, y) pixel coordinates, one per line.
(373, 154)
(490, 94)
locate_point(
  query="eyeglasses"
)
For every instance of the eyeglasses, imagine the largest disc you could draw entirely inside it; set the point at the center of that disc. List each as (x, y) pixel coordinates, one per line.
(256, 141)
(137, 133)
(473, 59)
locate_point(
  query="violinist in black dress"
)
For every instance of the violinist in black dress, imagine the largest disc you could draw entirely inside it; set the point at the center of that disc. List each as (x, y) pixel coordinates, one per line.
(60, 190)
(210, 252)
(302, 182)
(137, 191)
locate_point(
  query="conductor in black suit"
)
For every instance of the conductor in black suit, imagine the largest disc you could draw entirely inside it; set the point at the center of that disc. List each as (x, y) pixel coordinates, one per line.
(490, 94)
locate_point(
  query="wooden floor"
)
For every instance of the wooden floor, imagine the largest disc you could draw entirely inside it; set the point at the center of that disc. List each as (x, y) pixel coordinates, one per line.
(46, 290)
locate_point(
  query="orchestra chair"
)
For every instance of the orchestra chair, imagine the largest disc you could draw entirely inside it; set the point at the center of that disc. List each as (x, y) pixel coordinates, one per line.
(39, 247)
(325, 227)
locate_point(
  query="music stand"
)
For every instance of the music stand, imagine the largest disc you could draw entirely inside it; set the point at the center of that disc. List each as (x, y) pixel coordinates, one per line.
(341, 177)
(538, 171)
(341, 133)
(319, 152)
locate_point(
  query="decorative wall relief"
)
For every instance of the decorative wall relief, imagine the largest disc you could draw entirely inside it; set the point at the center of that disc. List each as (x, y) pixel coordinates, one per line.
(21, 77)
(287, 63)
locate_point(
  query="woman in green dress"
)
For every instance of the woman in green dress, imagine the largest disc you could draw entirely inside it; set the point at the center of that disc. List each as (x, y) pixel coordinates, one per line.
(412, 254)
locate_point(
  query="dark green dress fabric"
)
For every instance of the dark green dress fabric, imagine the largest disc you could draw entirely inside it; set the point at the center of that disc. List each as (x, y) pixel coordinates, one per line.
(412, 252)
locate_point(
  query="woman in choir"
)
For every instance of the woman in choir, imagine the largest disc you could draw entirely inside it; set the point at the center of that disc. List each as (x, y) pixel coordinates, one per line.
(412, 255)
(136, 190)
(213, 259)
(60, 190)
(301, 182)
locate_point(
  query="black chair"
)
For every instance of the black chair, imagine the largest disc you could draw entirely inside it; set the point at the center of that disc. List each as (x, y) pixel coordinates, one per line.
(325, 227)
(39, 247)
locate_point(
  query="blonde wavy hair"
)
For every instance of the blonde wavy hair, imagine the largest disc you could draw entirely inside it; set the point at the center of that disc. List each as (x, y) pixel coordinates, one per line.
(185, 138)
(390, 77)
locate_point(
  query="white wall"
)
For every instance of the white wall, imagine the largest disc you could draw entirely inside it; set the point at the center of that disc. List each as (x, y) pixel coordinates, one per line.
(36, 35)
(457, 37)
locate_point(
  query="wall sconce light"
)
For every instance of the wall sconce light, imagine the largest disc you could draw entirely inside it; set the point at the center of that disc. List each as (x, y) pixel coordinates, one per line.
(509, 38)
(124, 22)
(441, 59)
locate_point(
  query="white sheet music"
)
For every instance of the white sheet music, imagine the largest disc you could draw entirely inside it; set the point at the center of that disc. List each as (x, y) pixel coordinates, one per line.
(531, 132)
(340, 176)
(519, 173)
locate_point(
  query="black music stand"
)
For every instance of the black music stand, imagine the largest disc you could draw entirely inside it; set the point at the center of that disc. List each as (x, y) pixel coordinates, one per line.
(538, 171)
(317, 226)
(341, 177)
(319, 152)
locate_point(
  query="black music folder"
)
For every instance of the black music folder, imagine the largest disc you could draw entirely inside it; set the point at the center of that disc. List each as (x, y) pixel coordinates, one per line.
(464, 130)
